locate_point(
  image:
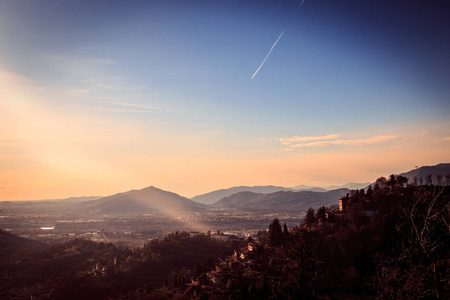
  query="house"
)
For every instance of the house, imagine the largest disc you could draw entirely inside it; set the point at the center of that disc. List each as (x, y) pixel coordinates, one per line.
(219, 236)
(195, 233)
(343, 204)
(252, 247)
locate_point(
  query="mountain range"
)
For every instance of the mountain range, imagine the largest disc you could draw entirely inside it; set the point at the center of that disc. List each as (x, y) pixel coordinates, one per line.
(286, 201)
(154, 200)
(214, 196)
(146, 200)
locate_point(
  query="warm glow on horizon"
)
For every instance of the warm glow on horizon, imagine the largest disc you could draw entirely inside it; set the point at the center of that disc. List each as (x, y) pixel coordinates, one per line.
(104, 105)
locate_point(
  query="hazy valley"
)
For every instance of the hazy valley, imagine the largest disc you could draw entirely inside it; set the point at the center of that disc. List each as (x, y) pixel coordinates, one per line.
(254, 242)
(134, 217)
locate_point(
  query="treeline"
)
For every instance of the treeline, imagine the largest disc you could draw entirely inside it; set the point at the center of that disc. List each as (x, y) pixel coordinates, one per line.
(390, 241)
(82, 269)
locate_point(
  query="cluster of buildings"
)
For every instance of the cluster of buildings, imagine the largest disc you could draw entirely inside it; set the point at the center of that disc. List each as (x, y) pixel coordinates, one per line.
(252, 267)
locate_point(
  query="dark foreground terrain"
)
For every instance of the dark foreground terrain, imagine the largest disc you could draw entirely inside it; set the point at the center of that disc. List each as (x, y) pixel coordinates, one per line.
(389, 241)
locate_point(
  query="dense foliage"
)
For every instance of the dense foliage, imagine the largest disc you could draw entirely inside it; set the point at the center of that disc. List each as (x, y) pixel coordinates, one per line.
(389, 241)
(83, 269)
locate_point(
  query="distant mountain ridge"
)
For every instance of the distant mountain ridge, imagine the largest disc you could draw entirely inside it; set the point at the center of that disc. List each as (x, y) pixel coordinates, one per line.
(440, 169)
(281, 201)
(152, 199)
(146, 200)
(350, 186)
(214, 196)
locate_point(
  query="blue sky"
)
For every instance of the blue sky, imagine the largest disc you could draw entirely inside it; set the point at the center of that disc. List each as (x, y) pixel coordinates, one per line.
(104, 96)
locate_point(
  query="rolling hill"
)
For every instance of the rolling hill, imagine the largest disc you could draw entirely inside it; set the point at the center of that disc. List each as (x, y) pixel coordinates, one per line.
(440, 169)
(147, 200)
(214, 196)
(37, 207)
(281, 201)
(12, 242)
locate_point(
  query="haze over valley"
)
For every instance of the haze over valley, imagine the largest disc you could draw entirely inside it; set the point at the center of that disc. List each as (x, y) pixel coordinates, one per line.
(134, 217)
(225, 149)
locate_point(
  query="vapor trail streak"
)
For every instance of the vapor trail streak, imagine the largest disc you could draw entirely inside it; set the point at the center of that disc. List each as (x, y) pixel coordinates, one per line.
(299, 6)
(268, 53)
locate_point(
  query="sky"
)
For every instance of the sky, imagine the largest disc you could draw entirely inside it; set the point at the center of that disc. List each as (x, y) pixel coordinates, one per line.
(101, 97)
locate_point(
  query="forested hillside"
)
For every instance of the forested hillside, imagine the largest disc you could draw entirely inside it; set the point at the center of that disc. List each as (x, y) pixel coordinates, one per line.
(390, 241)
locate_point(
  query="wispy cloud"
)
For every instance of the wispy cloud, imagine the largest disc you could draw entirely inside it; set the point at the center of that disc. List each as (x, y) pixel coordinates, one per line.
(135, 105)
(330, 140)
(112, 87)
(296, 139)
(128, 107)
(422, 132)
(124, 84)
(78, 92)
(360, 142)
(74, 59)
(126, 110)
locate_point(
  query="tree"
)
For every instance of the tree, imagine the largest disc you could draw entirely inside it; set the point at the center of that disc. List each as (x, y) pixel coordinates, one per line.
(369, 192)
(321, 214)
(418, 265)
(310, 219)
(303, 271)
(210, 263)
(275, 233)
(262, 236)
(401, 181)
(175, 280)
(392, 182)
(166, 282)
(429, 179)
(381, 181)
(198, 269)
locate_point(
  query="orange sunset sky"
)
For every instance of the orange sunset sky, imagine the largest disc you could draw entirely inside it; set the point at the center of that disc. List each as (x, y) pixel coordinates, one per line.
(100, 98)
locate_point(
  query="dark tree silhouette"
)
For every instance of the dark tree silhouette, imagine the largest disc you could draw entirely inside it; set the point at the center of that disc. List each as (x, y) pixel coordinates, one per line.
(429, 179)
(321, 215)
(285, 230)
(401, 181)
(310, 218)
(275, 233)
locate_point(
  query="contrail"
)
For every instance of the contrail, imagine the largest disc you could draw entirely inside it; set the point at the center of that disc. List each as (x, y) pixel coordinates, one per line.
(301, 3)
(269, 52)
(299, 6)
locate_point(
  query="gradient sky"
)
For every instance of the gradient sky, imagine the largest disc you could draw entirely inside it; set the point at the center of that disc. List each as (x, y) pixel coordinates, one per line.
(100, 97)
